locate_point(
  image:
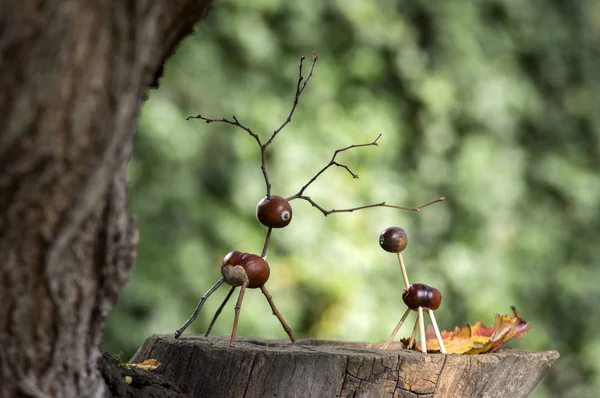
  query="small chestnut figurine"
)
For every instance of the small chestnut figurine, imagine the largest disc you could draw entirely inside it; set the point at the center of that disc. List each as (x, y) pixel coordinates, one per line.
(417, 296)
(248, 271)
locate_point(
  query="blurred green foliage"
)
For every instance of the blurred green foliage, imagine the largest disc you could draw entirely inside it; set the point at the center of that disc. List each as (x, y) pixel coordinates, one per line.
(493, 104)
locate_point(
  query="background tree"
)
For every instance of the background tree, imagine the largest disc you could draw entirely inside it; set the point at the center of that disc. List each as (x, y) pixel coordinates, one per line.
(73, 76)
(490, 103)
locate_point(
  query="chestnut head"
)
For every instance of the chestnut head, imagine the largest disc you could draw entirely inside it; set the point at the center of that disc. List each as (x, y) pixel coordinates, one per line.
(420, 295)
(274, 212)
(256, 269)
(393, 240)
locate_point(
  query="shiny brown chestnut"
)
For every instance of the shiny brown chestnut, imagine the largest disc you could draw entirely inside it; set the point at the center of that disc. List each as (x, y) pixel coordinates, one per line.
(256, 269)
(393, 240)
(421, 295)
(274, 212)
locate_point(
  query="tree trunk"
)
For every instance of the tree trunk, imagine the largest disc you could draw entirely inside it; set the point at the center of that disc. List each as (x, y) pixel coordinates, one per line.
(73, 75)
(208, 367)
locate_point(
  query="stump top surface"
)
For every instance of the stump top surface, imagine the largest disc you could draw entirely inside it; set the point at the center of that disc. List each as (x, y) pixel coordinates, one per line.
(208, 366)
(334, 347)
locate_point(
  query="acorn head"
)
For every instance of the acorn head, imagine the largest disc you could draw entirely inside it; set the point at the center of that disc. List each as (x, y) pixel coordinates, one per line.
(274, 212)
(393, 240)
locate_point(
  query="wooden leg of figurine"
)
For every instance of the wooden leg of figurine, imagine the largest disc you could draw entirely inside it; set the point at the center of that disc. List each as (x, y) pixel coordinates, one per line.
(285, 326)
(238, 307)
(212, 323)
(179, 331)
(437, 331)
(411, 341)
(422, 330)
(396, 329)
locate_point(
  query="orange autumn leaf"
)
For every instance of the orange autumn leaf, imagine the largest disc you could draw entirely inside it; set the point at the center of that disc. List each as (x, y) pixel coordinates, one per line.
(478, 338)
(148, 364)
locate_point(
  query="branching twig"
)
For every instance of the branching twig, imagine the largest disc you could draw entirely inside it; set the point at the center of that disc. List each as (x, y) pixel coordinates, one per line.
(382, 204)
(299, 89)
(235, 122)
(302, 82)
(332, 162)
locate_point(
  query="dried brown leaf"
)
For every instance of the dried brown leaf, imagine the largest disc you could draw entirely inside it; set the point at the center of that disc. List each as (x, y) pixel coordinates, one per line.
(478, 338)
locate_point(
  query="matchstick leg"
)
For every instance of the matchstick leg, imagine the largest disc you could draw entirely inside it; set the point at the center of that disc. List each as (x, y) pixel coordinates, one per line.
(422, 330)
(396, 329)
(437, 331)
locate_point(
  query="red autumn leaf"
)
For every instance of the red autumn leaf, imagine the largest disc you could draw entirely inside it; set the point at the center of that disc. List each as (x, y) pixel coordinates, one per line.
(477, 338)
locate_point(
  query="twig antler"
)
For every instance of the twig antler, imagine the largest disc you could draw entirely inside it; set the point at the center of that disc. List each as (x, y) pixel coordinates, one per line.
(302, 82)
(299, 89)
(332, 162)
(382, 204)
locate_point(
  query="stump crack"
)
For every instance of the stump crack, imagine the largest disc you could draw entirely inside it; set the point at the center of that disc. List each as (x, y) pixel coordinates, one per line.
(466, 371)
(250, 375)
(345, 377)
(361, 377)
(384, 366)
(437, 382)
(416, 394)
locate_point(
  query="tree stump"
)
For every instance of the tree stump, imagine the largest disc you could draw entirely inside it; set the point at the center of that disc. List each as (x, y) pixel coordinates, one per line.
(207, 367)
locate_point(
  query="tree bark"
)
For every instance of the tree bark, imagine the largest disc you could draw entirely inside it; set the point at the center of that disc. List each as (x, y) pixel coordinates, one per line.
(73, 76)
(208, 367)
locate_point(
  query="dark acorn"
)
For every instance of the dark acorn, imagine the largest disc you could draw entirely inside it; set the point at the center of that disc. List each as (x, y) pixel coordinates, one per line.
(255, 267)
(275, 212)
(393, 240)
(420, 295)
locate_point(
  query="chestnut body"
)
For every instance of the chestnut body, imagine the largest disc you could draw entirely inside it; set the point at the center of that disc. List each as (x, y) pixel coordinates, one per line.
(393, 240)
(421, 295)
(255, 267)
(274, 212)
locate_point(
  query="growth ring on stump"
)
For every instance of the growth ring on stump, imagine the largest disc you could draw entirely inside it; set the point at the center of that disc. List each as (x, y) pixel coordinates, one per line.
(207, 367)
